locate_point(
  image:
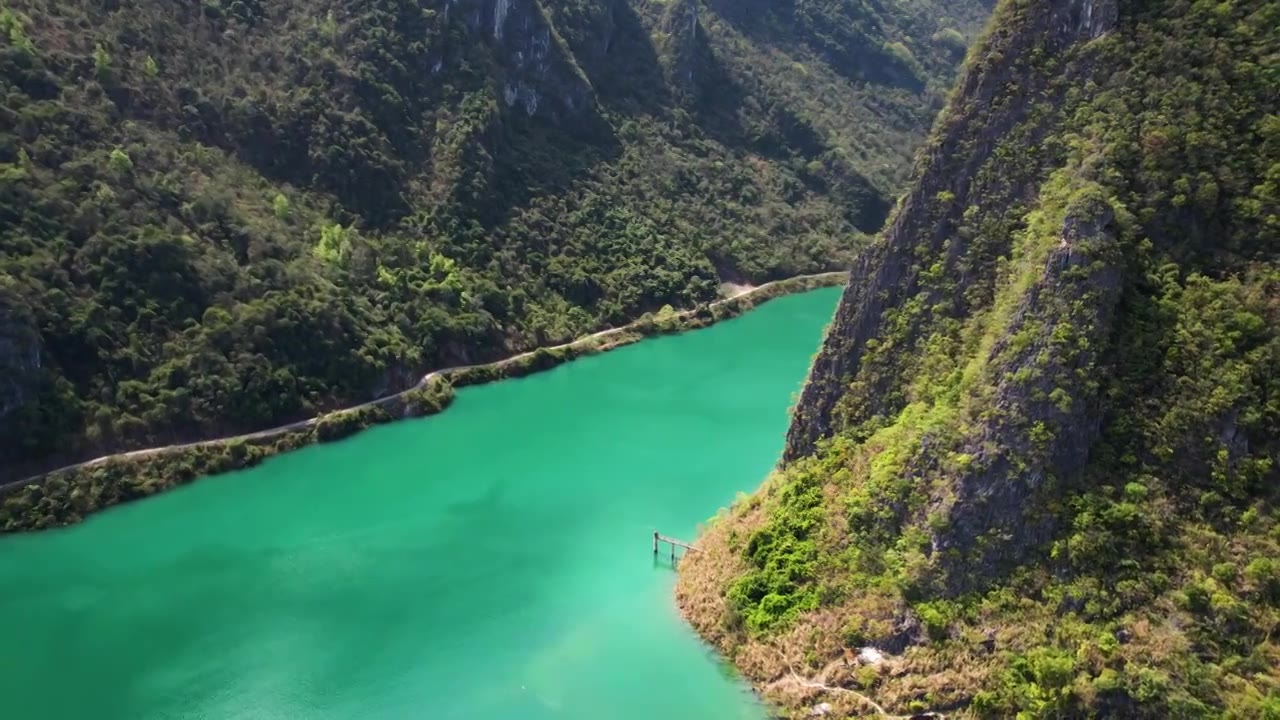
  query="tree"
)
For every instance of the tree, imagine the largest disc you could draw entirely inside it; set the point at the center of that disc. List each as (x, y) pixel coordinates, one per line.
(101, 63)
(280, 206)
(119, 162)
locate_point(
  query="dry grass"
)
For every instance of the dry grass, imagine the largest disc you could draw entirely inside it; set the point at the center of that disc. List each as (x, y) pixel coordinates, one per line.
(700, 587)
(815, 660)
(810, 662)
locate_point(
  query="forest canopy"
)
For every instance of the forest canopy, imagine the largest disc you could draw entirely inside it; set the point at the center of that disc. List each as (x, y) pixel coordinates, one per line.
(219, 215)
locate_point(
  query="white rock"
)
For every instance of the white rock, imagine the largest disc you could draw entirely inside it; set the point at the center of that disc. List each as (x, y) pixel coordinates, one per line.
(870, 656)
(820, 710)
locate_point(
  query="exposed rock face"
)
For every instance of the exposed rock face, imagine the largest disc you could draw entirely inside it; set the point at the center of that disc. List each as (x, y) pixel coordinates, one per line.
(1043, 419)
(1091, 18)
(1037, 428)
(888, 275)
(591, 29)
(683, 45)
(540, 77)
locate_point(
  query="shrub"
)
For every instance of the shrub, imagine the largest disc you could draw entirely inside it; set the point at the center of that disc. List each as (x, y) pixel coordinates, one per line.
(280, 206)
(119, 162)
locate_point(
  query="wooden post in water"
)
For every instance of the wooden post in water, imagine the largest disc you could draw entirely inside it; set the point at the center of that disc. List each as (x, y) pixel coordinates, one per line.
(657, 538)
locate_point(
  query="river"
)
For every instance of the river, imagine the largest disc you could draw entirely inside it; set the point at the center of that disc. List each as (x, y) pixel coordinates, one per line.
(492, 562)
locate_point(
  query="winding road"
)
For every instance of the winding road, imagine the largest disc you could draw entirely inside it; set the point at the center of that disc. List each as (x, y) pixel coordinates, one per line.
(740, 292)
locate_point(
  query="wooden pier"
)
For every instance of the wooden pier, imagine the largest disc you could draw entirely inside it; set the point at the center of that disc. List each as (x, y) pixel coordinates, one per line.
(674, 543)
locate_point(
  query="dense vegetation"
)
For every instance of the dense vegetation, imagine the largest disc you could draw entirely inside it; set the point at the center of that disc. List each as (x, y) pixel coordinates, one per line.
(1036, 462)
(216, 215)
(68, 496)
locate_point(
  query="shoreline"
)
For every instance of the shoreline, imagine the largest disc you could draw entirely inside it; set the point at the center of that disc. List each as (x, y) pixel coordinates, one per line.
(69, 494)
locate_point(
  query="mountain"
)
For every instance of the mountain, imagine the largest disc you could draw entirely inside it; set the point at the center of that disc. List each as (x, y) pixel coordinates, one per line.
(1034, 467)
(220, 215)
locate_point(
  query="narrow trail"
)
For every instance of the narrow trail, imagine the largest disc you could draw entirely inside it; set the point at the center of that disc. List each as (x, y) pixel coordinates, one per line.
(794, 679)
(739, 292)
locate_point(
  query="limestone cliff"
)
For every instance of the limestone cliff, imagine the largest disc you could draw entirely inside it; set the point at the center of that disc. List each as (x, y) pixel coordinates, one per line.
(537, 72)
(954, 175)
(1035, 462)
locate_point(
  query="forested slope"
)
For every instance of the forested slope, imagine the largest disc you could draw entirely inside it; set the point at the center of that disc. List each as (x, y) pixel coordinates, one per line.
(219, 215)
(1035, 464)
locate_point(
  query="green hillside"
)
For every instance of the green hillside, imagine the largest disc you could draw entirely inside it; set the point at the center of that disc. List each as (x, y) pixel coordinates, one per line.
(1035, 465)
(217, 216)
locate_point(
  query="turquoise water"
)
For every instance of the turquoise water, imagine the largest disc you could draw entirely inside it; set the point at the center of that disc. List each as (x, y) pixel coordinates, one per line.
(491, 562)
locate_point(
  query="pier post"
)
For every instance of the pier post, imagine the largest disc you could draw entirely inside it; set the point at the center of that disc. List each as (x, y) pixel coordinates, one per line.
(659, 538)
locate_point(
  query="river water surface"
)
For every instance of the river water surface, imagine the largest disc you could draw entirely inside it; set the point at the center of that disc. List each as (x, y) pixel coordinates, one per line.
(491, 562)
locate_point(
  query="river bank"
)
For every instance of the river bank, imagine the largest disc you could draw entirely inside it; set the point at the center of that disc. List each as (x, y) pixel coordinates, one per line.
(68, 495)
(490, 562)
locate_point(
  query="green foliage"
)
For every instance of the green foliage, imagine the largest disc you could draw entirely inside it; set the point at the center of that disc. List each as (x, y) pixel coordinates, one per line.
(101, 63)
(1264, 575)
(335, 242)
(329, 26)
(1039, 683)
(937, 617)
(119, 162)
(280, 206)
(337, 199)
(12, 25)
(950, 38)
(67, 498)
(783, 555)
(902, 54)
(1048, 417)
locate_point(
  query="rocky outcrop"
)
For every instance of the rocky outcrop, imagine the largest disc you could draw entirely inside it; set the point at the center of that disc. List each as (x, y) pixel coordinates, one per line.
(538, 74)
(683, 45)
(591, 29)
(1041, 412)
(929, 219)
(1036, 462)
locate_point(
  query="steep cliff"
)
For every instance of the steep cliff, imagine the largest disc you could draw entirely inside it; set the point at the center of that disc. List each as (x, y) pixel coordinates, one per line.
(536, 71)
(227, 214)
(1035, 463)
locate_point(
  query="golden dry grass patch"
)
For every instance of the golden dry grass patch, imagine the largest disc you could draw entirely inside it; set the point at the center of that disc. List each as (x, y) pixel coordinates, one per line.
(704, 575)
